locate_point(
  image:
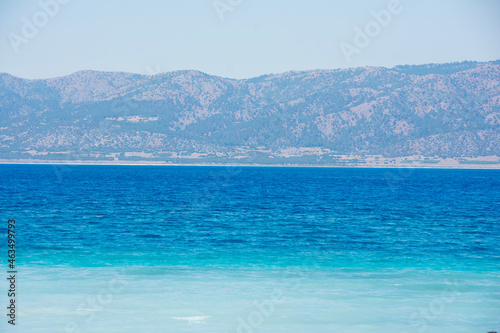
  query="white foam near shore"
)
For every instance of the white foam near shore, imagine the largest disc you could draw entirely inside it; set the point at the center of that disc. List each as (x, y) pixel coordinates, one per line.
(262, 300)
(195, 319)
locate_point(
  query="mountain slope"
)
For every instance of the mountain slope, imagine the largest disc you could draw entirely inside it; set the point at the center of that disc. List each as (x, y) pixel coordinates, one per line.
(310, 117)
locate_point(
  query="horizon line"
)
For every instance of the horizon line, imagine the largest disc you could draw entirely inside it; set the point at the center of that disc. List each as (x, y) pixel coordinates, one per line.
(254, 77)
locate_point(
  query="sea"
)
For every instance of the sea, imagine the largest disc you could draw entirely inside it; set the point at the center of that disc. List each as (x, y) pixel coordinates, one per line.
(249, 249)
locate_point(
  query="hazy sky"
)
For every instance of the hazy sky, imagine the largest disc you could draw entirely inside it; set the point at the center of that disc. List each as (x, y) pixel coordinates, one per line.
(243, 38)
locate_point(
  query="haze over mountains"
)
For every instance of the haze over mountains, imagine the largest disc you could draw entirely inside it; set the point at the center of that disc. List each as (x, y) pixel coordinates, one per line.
(424, 113)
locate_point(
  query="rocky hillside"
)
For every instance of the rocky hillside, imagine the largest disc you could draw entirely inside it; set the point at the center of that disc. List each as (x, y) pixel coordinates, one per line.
(314, 117)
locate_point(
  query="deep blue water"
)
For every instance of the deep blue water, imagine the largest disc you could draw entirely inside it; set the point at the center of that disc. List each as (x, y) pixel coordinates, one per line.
(195, 247)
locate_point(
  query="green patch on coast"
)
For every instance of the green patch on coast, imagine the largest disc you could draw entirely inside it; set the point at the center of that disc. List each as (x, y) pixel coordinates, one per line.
(478, 162)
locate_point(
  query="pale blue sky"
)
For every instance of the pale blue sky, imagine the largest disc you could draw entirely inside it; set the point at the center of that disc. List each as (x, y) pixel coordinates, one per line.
(257, 37)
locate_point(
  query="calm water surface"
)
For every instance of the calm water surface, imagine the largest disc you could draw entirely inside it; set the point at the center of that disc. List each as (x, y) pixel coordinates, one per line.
(217, 249)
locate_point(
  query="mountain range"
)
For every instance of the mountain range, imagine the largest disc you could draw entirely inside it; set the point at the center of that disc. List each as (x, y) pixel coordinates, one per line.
(369, 115)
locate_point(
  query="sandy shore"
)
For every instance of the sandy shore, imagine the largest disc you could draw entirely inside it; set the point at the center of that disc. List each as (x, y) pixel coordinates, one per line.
(162, 163)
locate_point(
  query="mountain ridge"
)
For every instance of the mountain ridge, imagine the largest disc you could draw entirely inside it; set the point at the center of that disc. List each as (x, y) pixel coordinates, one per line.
(397, 67)
(195, 117)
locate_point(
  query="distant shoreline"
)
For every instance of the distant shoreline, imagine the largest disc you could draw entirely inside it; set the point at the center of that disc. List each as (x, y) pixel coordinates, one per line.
(366, 166)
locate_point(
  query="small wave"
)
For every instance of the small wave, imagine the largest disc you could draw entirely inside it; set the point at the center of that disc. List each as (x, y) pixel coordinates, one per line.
(149, 236)
(193, 318)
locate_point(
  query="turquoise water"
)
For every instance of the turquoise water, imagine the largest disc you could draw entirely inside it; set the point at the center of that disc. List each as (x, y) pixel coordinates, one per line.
(217, 249)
